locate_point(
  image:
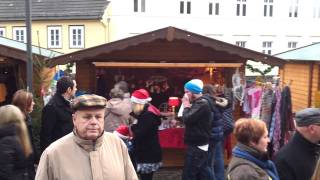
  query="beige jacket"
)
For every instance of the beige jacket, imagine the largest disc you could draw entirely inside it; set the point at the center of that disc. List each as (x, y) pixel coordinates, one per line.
(72, 158)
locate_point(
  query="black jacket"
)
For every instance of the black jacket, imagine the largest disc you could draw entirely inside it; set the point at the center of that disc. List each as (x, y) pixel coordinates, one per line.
(56, 121)
(146, 139)
(217, 121)
(297, 159)
(12, 159)
(197, 120)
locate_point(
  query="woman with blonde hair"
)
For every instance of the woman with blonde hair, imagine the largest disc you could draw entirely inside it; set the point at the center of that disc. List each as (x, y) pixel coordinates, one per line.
(249, 157)
(316, 174)
(147, 150)
(24, 101)
(15, 145)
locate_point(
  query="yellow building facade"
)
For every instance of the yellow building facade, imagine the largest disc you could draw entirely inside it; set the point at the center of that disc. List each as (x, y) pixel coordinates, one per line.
(61, 26)
(95, 33)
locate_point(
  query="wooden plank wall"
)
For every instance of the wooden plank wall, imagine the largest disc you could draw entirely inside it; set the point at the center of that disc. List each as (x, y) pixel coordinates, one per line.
(315, 83)
(299, 75)
(85, 77)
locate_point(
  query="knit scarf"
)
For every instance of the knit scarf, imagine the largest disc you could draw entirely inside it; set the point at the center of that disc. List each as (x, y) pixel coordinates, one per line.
(267, 165)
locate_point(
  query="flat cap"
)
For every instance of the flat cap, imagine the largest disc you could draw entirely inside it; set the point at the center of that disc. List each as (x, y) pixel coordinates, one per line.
(88, 101)
(308, 116)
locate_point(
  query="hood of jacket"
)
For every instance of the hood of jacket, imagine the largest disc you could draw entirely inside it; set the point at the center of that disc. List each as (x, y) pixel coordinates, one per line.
(118, 106)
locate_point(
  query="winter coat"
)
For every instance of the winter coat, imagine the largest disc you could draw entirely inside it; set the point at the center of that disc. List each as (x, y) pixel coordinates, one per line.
(145, 136)
(56, 120)
(197, 120)
(217, 121)
(12, 158)
(297, 159)
(72, 158)
(241, 168)
(117, 113)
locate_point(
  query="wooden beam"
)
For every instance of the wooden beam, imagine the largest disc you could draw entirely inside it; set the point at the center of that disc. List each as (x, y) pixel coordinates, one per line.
(165, 65)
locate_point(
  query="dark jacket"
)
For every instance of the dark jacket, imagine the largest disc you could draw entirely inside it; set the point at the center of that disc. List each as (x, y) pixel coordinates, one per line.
(241, 168)
(56, 120)
(34, 157)
(146, 140)
(217, 121)
(197, 120)
(12, 159)
(297, 159)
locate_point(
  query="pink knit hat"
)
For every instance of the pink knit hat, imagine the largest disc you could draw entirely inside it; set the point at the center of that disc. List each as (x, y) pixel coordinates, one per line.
(140, 96)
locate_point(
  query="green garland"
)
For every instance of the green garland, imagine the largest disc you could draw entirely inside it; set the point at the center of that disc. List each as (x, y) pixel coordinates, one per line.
(254, 70)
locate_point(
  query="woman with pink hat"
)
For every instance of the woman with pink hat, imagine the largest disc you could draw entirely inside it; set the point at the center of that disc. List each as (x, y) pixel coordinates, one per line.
(148, 153)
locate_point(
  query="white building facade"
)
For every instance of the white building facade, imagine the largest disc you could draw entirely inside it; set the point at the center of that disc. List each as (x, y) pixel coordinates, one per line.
(268, 26)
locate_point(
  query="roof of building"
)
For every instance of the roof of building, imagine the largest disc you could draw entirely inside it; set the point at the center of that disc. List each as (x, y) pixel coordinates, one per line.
(13, 10)
(171, 45)
(306, 53)
(17, 50)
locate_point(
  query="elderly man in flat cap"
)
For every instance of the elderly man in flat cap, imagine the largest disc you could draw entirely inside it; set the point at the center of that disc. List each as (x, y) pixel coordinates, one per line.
(88, 153)
(297, 159)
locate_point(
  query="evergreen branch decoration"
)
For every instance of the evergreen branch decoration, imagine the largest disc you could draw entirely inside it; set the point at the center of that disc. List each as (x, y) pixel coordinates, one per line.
(254, 70)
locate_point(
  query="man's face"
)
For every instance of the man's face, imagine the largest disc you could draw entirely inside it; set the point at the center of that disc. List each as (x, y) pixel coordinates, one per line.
(190, 95)
(89, 124)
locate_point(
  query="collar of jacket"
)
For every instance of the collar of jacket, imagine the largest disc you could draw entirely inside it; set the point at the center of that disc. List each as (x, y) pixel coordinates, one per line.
(255, 153)
(61, 101)
(310, 146)
(88, 145)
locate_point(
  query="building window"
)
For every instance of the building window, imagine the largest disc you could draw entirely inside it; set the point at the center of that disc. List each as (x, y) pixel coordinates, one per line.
(266, 47)
(185, 7)
(2, 32)
(20, 34)
(54, 37)
(139, 4)
(76, 36)
(293, 8)
(214, 8)
(241, 43)
(316, 9)
(241, 7)
(292, 45)
(268, 8)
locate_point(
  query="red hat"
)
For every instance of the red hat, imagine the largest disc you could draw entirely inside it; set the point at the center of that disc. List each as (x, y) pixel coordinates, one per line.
(140, 96)
(122, 131)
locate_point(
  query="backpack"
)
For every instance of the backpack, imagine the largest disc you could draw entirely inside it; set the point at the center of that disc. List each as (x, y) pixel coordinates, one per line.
(228, 121)
(227, 118)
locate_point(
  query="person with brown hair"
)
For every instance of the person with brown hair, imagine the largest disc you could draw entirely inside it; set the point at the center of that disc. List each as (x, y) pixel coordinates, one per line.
(15, 145)
(24, 101)
(249, 157)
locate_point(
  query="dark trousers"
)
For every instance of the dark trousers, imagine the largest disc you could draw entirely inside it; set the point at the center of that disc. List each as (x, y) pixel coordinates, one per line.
(216, 160)
(195, 164)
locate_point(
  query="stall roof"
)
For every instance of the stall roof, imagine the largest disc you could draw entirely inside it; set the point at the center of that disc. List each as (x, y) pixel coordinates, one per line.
(306, 53)
(168, 45)
(17, 50)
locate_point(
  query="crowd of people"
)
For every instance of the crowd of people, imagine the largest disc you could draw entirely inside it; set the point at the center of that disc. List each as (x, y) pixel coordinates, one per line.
(90, 137)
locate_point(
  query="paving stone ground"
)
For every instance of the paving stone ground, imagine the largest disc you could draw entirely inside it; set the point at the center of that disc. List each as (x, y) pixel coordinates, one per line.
(168, 174)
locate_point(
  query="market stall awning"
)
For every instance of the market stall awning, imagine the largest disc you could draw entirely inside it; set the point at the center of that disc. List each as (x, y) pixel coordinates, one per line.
(166, 65)
(170, 45)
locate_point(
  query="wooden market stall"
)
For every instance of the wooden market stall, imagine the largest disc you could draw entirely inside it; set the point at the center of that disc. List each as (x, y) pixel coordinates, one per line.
(301, 72)
(13, 60)
(176, 54)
